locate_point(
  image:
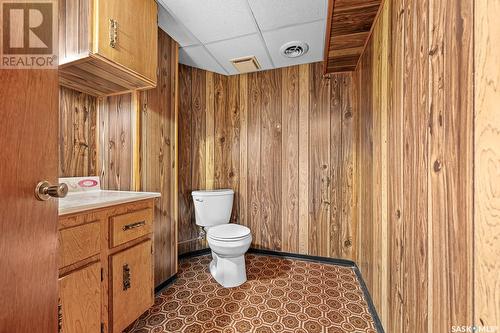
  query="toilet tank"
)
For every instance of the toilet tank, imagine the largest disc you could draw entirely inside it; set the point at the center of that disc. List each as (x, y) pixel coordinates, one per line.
(212, 207)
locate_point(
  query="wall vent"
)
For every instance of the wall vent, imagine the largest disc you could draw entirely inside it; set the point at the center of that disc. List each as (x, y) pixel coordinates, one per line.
(246, 64)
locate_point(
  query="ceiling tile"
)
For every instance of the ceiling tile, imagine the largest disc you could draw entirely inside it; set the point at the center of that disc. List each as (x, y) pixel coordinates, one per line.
(311, 33)
(240, 47)
(177, 31)
(213, 20)
(197, 56)
(272, 14)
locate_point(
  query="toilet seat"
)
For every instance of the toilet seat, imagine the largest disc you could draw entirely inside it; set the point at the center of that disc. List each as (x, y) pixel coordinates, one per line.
(228, 242)
(228, 232)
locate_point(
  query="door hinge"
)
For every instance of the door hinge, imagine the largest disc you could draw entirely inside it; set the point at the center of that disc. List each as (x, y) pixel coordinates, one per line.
(102, 327)
(102, 274)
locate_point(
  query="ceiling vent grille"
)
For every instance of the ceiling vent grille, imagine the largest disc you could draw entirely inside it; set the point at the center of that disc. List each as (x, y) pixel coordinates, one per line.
(294, 49)
(246, 64)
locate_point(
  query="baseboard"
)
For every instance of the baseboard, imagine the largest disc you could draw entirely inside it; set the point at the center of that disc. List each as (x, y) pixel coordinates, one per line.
(194, 253)
(325, 260)
(335, 261)
(165, 284)
(369, 301)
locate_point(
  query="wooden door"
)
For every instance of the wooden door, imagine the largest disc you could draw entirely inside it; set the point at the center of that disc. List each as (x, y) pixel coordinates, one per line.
(136, 34)
(80, 300)
(28, 227)
(131, 284)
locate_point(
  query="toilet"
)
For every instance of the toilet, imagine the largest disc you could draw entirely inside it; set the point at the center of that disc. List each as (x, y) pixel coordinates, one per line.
(228, 241)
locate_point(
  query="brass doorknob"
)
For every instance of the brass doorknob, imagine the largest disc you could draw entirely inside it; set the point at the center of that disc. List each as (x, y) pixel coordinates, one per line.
(44, 190)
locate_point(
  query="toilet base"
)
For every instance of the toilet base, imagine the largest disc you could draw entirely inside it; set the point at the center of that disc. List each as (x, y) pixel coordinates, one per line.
(228, 272)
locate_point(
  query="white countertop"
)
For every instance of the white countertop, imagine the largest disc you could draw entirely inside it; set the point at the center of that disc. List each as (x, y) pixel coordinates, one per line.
(76, 202)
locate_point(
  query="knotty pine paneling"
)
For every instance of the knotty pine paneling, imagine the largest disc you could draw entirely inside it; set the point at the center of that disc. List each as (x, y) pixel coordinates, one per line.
(283, 141)
(451, 160)
(415, 165)
(98, 136)
(395, 134)
(269, 181)
(187, 228)
(320, 167)
(77, 138)
(158, 155)
(290, 158)
(486, 164)
(254, 158)
(117, 134)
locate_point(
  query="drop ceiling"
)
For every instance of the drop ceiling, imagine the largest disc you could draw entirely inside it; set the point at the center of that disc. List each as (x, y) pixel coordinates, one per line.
(212, 32)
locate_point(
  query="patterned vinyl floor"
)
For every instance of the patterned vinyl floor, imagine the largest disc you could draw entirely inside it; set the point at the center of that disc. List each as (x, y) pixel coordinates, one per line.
(281, 295)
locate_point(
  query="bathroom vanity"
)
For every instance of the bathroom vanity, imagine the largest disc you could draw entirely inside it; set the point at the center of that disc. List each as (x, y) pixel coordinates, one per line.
(105, 257)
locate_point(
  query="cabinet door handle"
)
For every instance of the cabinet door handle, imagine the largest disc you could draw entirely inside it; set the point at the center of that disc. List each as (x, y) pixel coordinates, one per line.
(133, 225)
(126, 277)
(113, 32)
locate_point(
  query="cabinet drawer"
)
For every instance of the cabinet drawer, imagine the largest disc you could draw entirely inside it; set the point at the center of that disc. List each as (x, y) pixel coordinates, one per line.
(78, 243)
(130, 226)
(131, 284)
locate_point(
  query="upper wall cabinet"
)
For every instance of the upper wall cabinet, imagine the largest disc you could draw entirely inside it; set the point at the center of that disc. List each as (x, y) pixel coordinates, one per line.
(107, 46)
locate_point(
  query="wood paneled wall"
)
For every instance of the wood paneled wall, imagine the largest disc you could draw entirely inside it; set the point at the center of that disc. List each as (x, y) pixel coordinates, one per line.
(284, 141)
(158, 155)
(130, 141)
(77, 140)
(414, 85)
(118, 135)
(487, 164)
(97, 137)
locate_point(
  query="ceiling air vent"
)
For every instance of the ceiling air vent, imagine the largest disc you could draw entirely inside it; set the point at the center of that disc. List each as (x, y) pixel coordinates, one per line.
(246, 64)
(294, 49)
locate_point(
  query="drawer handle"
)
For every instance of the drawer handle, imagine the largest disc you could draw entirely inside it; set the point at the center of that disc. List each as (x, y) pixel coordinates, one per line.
(133, 225)
(126, 277)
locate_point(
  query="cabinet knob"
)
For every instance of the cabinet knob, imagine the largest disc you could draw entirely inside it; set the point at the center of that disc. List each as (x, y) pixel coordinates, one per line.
(44, 190)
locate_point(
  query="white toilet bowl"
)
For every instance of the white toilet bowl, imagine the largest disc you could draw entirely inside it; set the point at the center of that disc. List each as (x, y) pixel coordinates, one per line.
(228, 241)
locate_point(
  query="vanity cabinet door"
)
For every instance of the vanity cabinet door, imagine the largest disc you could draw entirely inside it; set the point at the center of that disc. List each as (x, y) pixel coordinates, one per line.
(131, 284)
(80, 300)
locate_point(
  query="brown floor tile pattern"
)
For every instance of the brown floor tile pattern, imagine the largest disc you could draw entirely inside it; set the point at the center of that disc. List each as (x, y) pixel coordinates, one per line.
(281, 295)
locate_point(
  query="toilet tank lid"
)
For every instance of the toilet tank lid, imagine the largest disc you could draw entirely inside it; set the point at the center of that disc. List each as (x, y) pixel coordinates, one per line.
(208, 193)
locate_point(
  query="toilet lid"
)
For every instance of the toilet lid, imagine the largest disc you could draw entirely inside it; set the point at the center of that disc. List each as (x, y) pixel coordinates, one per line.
(209, 193)
(228, 231)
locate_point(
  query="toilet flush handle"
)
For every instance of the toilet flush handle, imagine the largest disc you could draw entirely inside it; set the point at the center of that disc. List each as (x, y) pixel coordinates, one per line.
(198, 199)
